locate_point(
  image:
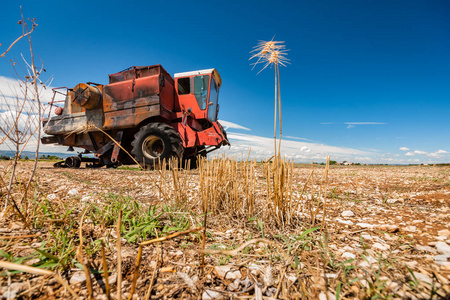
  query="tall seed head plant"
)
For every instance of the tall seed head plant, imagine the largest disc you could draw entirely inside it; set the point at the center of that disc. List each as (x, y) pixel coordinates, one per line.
(273, 53)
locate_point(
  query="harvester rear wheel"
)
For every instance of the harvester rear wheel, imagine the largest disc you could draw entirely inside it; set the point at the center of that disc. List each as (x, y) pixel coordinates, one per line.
(155, 142)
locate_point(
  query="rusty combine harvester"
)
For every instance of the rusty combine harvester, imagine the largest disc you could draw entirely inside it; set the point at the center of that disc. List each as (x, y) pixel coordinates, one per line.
(146, 111)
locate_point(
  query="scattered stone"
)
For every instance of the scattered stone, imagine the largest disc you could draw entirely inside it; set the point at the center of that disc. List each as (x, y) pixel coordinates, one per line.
(364, 225)
(209, 295)
(16, 226)
(410, 229)
(347, 213)
(388, 228)
(86, 199)
(422, 277)
(444, 232)
(78, 277)
(112, 279)
(348, 255)
(346, 222)
(380, 246)
(443, 248)
(228, 272)
(426, 248)
(72, 192)
(366, 237)
(329, 295)
(51, 197)
(14, 289)
(411, 264)
(440, 257)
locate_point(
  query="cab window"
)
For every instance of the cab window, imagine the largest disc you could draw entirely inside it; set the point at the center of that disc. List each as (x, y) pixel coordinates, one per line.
(184, 86)
(201, 84)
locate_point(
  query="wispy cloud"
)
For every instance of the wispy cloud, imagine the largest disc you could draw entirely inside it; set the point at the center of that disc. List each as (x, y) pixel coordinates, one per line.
(298, 138)
(299, 151)
(436, 154)
(365, 123)
(226, 125)
(351, 125)
(404, 148)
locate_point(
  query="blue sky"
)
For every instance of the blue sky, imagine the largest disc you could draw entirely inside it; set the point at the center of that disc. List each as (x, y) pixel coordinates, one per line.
(370, 78)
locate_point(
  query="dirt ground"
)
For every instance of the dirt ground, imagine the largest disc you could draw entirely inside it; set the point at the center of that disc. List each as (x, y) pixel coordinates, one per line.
(385, 234)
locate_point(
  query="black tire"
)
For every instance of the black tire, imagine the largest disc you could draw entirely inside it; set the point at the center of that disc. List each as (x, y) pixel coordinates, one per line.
(155, 142)
(73, 162)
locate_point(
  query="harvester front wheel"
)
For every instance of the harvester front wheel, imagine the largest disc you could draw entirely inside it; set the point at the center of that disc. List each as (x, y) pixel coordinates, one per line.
(155, 142)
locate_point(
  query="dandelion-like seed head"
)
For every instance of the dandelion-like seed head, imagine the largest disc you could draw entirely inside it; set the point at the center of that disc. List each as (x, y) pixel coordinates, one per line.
(269, 52)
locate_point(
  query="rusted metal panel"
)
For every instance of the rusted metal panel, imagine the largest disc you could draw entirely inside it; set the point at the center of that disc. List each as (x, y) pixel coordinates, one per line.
(111, 104)
(128, 118)
(67, 123)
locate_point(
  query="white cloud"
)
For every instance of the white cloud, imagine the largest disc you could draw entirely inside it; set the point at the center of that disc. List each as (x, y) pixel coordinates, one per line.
(404, 148)
(420, 152)
(262, 148)
(441, 152)
(365, 123)
(409, 154)
(353, 124)
(226, 125)
(298, 138)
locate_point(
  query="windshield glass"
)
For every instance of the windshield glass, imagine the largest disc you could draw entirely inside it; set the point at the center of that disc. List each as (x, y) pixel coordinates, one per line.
(201, 90)
(213, 99)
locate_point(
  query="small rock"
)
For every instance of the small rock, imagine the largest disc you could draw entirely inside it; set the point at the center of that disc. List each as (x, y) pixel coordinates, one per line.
(444, 232)
(390, 285)
(209, 295)
(176, 253)
(426, 248)
(422, 277)
(380, 246)
(112, 279)
(51, 197)
(228, 272)
(78, 277)
(347, 213)
(440, 258)
(14, 289)
(443, 248)
(16, 226)
(391, 201)
(411, 264)
(410, 228)
(346, 222)
(364, 225)
(348, 255)
(388, 228)
(72, 192)
(366, 237)
(86, 199)
(330, 295)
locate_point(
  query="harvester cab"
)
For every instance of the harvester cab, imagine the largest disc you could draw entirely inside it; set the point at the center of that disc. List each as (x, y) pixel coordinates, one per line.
(198, 92)
(144, 111)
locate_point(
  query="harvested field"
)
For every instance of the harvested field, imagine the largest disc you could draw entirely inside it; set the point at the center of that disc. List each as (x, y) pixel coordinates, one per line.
(362, 232)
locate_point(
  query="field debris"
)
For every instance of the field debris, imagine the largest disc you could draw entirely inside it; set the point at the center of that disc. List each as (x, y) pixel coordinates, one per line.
(350, 240)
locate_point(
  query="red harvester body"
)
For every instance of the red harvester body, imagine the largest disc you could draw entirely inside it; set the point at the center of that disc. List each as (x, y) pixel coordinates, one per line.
(150, 114)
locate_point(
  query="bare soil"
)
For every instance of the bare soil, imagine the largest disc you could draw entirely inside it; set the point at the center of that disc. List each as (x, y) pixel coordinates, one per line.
(385, 233)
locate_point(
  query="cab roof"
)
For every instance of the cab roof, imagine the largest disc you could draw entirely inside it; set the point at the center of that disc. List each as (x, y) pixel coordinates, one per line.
(214, 72)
